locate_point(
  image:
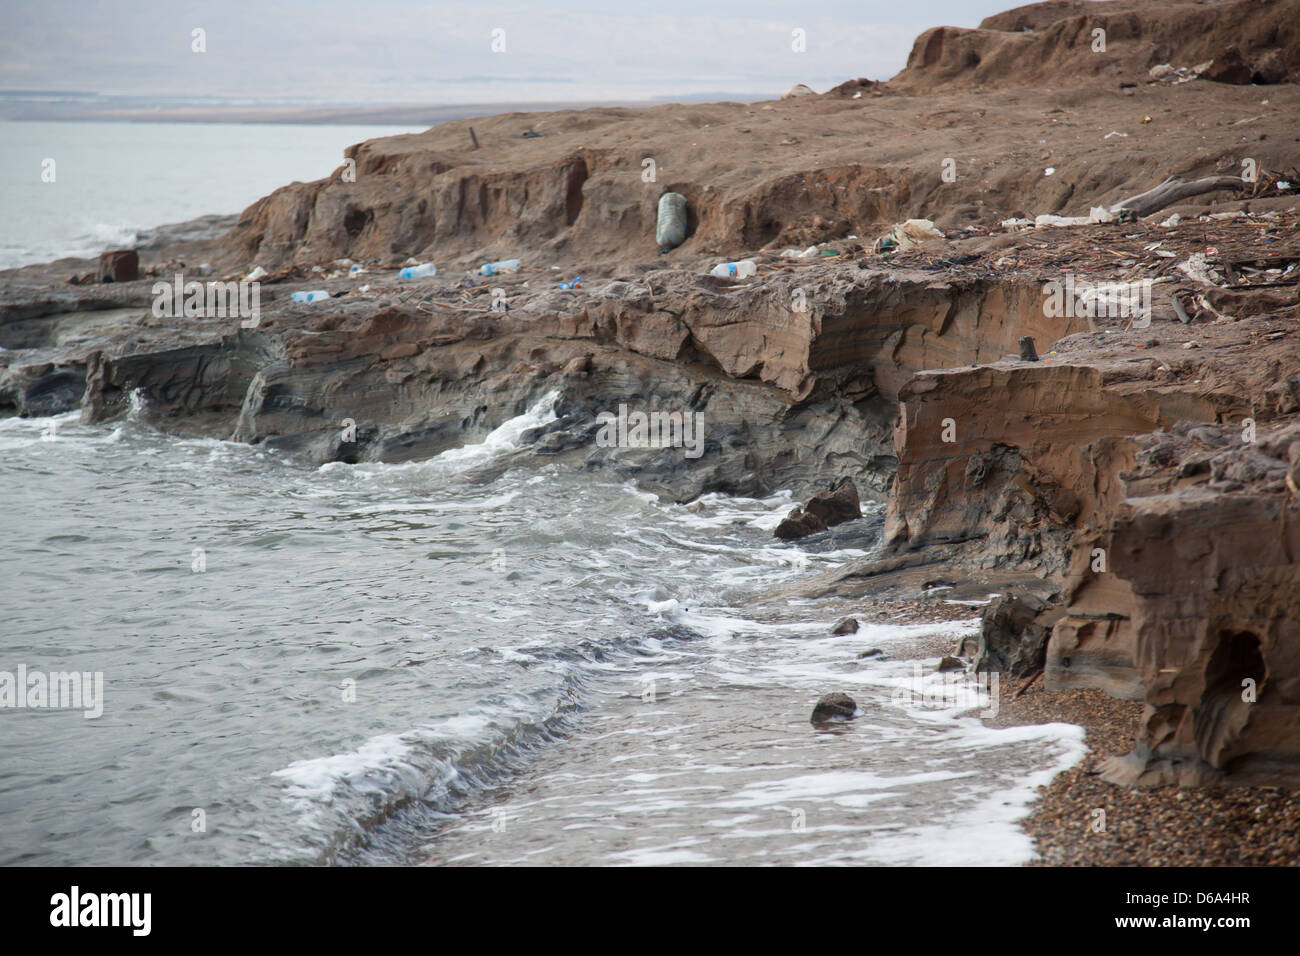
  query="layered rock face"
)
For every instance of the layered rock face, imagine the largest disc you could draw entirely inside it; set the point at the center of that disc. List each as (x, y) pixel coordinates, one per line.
(1185, 597)
(1154, 488)
(788, 396)
(1247, 41)
(1201, 624)
(782, 173)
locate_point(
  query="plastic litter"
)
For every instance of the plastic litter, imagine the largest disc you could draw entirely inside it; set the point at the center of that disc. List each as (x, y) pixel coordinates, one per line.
(1098, 214)
(905, 235)
(575, 284)
(670, 227)
(503, 265)
(418, 272)
(255, 274)
(1197, 269)
(734, 270)
(315, 295)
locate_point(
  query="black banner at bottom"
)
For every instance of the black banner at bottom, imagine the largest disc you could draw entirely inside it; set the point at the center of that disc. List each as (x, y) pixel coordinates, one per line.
(302, 905)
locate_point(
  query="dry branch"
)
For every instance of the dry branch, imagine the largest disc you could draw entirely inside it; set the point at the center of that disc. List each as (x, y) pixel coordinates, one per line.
(1172, 190)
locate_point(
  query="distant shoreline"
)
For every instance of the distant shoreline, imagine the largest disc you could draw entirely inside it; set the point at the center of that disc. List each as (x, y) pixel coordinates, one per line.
(29, 110)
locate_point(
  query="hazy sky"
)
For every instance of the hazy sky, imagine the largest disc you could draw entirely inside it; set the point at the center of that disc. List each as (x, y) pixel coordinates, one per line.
(391, 51)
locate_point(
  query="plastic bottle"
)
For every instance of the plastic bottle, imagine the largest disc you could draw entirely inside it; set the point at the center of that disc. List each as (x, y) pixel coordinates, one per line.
(315, 295)
(418, 272)
(575, 284)
(735, 270)
(670, 229)
(505, 265)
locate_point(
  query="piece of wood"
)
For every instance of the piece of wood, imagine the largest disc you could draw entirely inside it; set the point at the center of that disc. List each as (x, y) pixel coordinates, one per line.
(1171, 191)
(1182, 313)
(473, 137)
(1029, 683)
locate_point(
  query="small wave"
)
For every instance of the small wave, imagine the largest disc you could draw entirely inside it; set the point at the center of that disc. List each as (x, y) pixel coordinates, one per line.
(139, 404)
(108, 235)
(343, 799)
(504, 437)
(94, 239)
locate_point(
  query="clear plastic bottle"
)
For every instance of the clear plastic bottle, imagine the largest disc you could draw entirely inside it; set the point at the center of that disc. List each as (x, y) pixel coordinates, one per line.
(504, 265)
(735, 270)
(418, 272)
(315, 295)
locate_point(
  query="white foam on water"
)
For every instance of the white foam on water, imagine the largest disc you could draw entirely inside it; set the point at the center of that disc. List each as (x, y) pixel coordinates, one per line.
(664, 857)
(988, 833)
(505, 437)
(390, 767)
(315, 779)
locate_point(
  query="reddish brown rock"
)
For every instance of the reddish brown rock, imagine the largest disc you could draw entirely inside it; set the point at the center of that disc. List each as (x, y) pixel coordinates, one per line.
(122, 265)
(1229, 67)
(1160, 502)
(1041, 43)
(824, 509)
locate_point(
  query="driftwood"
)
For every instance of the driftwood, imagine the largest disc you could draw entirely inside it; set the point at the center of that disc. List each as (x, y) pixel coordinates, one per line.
(1029, 683)
(1172, 190)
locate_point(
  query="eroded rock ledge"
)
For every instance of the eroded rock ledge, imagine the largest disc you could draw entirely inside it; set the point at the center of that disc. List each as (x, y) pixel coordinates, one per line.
(788, 396)
(1154, 488)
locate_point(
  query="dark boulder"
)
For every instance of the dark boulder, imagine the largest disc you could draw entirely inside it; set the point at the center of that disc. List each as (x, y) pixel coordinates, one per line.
(798, 524)
(824, 509)
(54, 393)
(122, 265)
(834, 707)
(1013, 635)
(1230, 68)
(1269, 68)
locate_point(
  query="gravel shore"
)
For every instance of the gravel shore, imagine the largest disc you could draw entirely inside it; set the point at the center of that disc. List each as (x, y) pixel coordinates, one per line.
(1163, 826)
